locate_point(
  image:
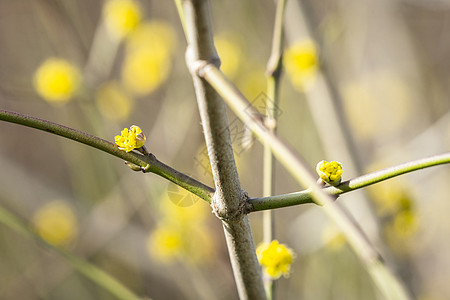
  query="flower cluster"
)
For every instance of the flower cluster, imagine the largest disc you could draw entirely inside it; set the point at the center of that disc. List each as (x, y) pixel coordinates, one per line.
(148, 59)
(396, 207)
(113, 102)
(301, 63)
(56, 223)
(275, 258)
(330, 172)
(182, 233)
(130, 139)
(56, 80)
(121, 17)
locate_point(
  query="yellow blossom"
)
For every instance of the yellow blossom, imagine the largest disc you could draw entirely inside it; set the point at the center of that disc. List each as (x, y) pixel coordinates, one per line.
(56, 223)
(182, 233)
(112, 102)
(144, 70)
(56, 80)
(406, 223)
(275, 258)
(130, 139)
(391, 197)
(121, 17)
(301, 64)
(330, 172)
(401, 230)
(165, 243)
(148, 61)
(156, 34)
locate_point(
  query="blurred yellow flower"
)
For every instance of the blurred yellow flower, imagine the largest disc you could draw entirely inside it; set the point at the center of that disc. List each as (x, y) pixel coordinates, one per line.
(391, 197)
(401, 229)
(56, 80)
(112, 102)
(121, 17)
(195, 213)
(130, 139)
(330, 172)
(156, 34)
(405, 224)
(56, 223)
(275, 258)
(230, 53)
(182, 233)
(378, 104)
(166, 243)
(301, 63)
(148, 57)
(144, 71)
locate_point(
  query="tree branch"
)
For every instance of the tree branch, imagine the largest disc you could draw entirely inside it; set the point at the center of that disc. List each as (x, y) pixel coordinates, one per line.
(304, 197)
(388, 284)
(154, 165)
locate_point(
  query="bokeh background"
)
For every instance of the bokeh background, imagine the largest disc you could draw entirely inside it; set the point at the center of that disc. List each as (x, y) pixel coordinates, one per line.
(380, 69)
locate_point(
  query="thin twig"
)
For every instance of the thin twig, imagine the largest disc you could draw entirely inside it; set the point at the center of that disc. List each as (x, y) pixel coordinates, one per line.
(273, 73)
(304, 197)
(151, 162)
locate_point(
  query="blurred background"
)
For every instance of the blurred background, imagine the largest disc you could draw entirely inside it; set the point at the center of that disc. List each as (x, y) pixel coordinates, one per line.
(366, 84)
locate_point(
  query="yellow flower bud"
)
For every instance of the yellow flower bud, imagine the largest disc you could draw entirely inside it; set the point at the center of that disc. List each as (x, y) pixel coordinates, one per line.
(330, 172)
(130, 139)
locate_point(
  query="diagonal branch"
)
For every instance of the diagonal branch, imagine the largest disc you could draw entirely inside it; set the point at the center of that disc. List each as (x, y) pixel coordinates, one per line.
(151, 162)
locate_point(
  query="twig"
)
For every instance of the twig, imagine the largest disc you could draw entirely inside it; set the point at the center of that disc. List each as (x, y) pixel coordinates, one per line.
(305, 197)
(151, 162)
(273, 73)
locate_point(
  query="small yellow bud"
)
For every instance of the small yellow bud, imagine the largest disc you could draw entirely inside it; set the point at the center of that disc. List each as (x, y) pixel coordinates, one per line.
(330, 172)
(130, 139)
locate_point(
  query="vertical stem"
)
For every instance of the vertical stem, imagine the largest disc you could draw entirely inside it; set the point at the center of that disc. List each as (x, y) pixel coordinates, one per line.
(269, 179)
(274, 67)
(229, 199)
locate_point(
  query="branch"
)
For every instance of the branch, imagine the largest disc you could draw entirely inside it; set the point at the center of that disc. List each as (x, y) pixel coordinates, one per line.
(150, 162)
(304, 197)
(229, 199)
(391, 287)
